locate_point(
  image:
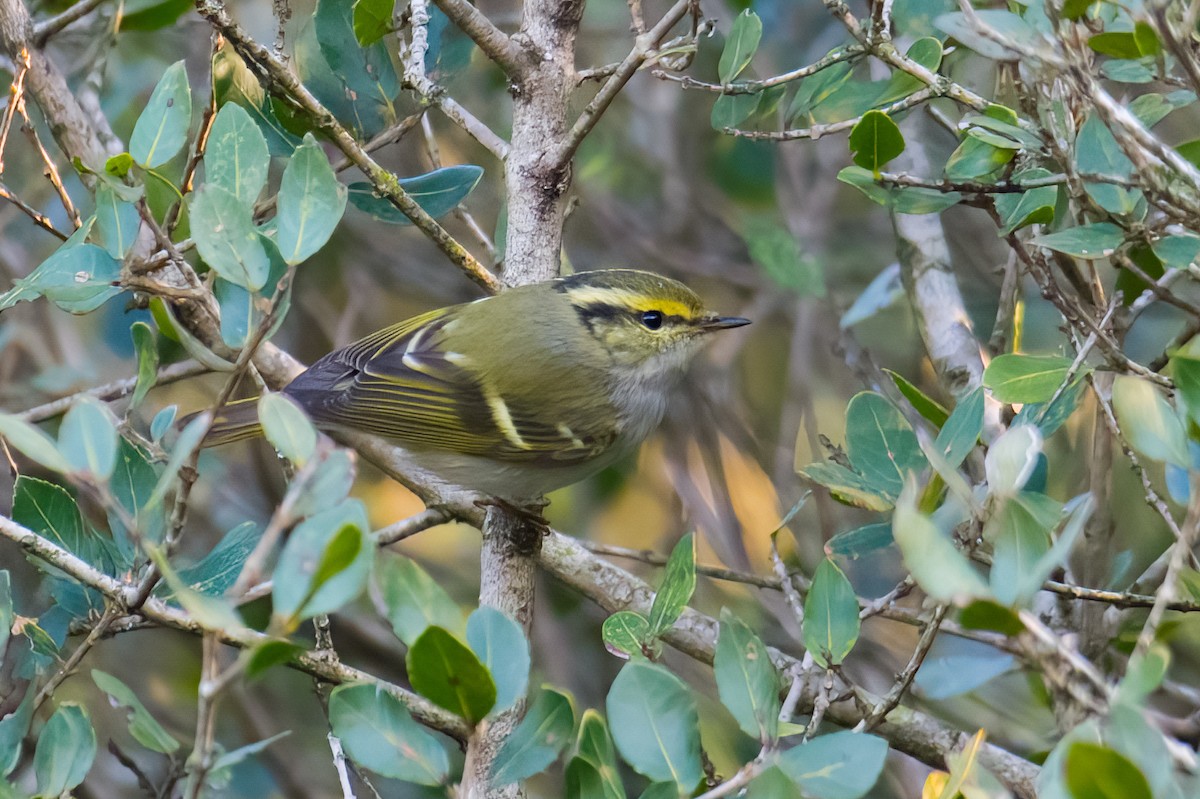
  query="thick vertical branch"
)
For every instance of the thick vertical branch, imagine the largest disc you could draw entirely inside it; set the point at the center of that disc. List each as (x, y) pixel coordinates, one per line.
(536, 192)
(933, 290)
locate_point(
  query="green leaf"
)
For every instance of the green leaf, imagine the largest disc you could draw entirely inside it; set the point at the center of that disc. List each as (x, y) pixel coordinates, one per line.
(1097, 151)
(1144, 674)
(32, 443)
(1020, 540)
(654, 723)
(146, 347)
(501, 645)
(816, 89)
(328, 483)
(324, 564)
(152, 15)
(357, 83)
(592, 772)
(626, 634)
(983, 614)
(930, 555)
(537, 740)
(212, 613)
(831, 621)
(6, 611)
(142, 726)
(773, 247)
(118, 165)
(438, 193)
(1011, 460)
(161, 130)
(268, 654)
(884, 291)
(1097, 772)
(311, 203)
(1149, 422)
(379, 733)
(746, 679)
(372, 20)
(235, 756)
(132, 483)
(117, 221)
(13, 728)
(1076, 9)
(731, 110)
(226, 237)
(741, 46)
(187, 442)
(237, 158)
(1008, 24)
(50, 511)
(1179, 251)
(287, 427)
(860, 541)
(87, 438)
(77, 278)
(414, 601)
(445, 671)
(679, 581)
(975, 159)
(848, 487)
(219, 569)
(950, 671)
(1015, 378)
(1033, 207)
(65, 750)
(233, 82)
(961, 431)
(840, 765)
(162, 422)
(922, 403)
(875, 140)
(1117, 44)
(881, 443)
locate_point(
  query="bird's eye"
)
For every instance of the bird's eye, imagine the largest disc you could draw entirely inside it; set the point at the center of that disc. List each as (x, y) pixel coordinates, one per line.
(652, 320)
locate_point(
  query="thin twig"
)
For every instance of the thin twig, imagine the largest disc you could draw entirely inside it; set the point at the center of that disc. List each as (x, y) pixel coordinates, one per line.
(905, 678)
(111, 391)
(43, 30)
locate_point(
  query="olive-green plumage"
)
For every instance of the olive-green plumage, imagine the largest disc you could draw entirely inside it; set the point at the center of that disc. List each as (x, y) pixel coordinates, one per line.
(512, 395)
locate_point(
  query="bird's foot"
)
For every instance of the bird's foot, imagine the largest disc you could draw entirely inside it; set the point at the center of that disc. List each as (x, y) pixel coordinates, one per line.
(530, 514)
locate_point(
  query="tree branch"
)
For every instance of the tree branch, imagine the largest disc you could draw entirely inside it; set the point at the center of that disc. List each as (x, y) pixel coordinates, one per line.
(494, 43)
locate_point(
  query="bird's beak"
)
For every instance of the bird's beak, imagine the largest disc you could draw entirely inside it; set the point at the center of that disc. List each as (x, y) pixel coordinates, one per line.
(723, 323)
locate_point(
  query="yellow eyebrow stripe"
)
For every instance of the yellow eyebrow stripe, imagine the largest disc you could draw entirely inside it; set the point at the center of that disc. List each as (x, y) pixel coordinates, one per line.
(598, 295)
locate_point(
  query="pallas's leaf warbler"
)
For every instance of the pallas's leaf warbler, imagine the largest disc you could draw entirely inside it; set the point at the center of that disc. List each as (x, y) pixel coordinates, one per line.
(513, 395)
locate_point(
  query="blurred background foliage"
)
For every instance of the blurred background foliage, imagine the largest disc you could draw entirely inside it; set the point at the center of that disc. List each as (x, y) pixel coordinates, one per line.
(759, 229)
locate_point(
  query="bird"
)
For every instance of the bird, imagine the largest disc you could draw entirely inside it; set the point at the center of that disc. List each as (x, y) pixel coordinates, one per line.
(514, 395)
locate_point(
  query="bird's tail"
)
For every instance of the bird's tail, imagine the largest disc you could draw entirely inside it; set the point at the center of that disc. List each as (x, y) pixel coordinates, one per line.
(236, 421)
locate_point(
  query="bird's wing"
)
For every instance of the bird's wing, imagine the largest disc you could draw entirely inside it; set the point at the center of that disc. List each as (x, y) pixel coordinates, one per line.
(401, 384)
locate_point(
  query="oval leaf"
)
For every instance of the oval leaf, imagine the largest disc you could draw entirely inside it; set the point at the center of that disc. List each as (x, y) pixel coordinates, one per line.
(537, 740)
(225, 236)
(654, 724)
(287, 427)
(311, 203)
(379, 733)
(438, 193)
(445, 671)
(831, 622)
(161, 129)
(746, 679)
(65, 750)
(501, 644)
(741, 45)
(875, 140)
(841, 765)
(236, 158)
(88, 438)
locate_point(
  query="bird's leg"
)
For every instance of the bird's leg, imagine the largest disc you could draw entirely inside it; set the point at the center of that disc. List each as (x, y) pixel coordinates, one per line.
(530, 513)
